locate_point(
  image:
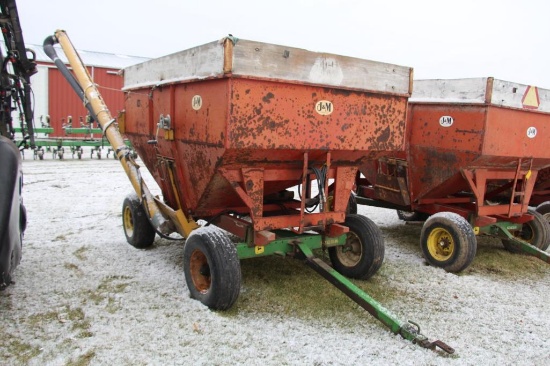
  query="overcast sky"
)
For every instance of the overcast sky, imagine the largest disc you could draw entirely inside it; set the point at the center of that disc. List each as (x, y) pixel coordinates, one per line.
(505, 39)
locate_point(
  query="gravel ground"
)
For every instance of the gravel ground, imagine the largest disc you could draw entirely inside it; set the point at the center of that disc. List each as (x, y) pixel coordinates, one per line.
(84, 296)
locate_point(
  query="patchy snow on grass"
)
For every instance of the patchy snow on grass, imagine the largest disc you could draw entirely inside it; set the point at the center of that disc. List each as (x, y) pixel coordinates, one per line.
(84, 296)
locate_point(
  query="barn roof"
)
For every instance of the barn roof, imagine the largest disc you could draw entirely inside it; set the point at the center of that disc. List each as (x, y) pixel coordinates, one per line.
(90, 58)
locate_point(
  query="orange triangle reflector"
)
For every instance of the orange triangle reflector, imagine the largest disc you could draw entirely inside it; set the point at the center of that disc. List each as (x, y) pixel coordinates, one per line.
(531, 98)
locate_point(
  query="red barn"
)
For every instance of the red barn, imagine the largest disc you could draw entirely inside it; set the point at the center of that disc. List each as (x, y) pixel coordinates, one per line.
(54, 97)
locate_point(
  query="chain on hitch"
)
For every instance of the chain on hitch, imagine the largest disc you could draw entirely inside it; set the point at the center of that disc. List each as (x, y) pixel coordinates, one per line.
(412, 331)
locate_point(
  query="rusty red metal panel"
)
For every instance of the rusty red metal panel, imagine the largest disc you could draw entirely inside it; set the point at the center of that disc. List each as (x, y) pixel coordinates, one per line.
(464, 134)
(518, 133)
(242, 123)
(285, 116)
(475, 136)
(239, 136)
(437, 152)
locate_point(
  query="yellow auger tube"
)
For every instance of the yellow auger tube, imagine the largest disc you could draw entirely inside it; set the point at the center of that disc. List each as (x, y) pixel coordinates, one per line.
(164, 219)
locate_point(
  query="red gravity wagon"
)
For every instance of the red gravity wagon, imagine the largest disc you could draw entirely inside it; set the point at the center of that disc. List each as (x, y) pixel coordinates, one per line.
(260, 144)
(474, 148)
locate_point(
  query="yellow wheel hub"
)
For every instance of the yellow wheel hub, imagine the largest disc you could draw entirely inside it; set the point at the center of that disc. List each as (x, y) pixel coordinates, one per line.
(441, 245)
(128, 222)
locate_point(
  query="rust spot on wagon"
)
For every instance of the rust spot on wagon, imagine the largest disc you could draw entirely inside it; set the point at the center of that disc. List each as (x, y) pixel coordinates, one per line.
(384, 135)
(267, 98)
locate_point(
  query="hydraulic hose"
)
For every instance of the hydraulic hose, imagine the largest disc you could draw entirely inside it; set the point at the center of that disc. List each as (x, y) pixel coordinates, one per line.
(67, 74)
(23, 67)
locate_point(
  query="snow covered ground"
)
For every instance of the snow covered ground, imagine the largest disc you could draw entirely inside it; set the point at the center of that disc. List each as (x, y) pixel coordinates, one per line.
(84, 296)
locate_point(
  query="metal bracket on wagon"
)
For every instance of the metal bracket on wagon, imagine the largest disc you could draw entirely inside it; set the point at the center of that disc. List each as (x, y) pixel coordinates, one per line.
(410, 331)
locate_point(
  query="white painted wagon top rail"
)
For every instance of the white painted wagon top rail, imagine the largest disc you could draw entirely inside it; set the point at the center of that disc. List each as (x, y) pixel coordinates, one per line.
(261, 60)
(486, 90)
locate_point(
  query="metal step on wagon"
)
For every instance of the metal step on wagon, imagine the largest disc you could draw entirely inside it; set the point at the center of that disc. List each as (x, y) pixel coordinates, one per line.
(474, 150)
(228, 130)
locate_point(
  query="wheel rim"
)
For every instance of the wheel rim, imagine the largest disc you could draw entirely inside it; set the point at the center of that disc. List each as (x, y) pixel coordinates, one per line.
(200, 271)
(128, 222)
(350, 253)
(441, 245)
(526, 233)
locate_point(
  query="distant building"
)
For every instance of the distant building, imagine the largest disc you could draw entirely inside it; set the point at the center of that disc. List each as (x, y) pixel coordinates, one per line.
(54, 97)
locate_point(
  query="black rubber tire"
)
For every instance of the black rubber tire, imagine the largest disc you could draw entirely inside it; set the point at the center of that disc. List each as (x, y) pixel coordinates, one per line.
(352, 205)
(412, 215)
(212, 268)
(22, 218)
(351, 208)
(452, 229)
(536, 232)
(137, 227)
(544, 210)
(363, 254)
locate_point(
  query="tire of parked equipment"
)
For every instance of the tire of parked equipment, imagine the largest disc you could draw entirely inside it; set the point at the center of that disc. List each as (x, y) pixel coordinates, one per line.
(352, 205)
(137, 228)
(412, 215)
(448, 241)
(363, 253)
(22, 218)
(212, 268)
(351, 208)
(536, 232)
(544, 210)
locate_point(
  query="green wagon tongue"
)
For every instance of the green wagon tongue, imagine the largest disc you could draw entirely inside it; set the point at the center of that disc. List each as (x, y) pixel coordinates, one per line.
(504, 229)
(409, 331)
